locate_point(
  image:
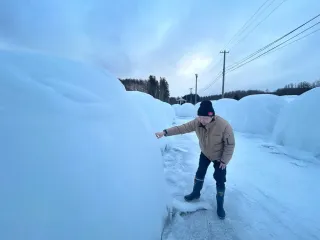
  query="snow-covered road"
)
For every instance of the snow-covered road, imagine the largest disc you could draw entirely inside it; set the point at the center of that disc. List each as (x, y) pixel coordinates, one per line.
(269, 194)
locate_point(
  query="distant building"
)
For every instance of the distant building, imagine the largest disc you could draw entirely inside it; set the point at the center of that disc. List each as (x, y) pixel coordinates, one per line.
(181, 100)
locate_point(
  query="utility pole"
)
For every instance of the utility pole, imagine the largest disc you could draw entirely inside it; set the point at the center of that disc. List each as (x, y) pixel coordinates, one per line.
(190, 95)
(195, 98)
(223, 71)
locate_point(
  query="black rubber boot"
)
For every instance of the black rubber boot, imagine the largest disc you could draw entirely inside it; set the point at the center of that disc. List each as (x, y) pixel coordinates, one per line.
(196, 191)
(220, 200)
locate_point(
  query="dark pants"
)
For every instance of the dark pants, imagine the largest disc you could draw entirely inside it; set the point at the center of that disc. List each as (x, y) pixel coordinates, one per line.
(219, 175)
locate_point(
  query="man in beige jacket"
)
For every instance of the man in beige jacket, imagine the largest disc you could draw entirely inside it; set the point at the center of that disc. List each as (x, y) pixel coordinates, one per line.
(217, 143)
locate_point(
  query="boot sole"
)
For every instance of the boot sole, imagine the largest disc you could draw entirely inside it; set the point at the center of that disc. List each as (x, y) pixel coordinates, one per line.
(221, 217)
(187, 200)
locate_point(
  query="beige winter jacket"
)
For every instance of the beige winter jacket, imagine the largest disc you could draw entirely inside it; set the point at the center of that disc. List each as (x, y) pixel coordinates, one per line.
(216, 139)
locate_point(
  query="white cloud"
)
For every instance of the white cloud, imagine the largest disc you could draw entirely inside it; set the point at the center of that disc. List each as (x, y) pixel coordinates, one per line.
(191, 64)
(172, 39)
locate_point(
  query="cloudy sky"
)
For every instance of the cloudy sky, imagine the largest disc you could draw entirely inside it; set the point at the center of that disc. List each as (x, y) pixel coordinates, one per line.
(169, 38)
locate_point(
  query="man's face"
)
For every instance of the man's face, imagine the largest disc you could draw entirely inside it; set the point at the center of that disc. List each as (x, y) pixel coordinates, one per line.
(205, 119)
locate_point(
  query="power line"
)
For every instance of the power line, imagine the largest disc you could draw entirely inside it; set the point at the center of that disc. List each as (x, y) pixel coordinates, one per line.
(216, 64)
(212, 83)
(258, 24)
(268, 52)
(239, 33)
(270, 44)
(295, 40)
(276, 47)
(245, 25)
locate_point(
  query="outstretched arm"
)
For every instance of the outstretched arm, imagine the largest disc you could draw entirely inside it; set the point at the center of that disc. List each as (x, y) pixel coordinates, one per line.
(182, 129)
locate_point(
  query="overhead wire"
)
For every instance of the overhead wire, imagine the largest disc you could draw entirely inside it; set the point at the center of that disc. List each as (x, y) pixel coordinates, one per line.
(270, 44)
(212, 83)
(275, 48)
(243, 29)
(307, 35)
(273, 10)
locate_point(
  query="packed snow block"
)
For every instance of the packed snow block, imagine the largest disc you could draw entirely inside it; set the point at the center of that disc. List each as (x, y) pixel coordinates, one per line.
(226, 108)
(185, 110)
(157, 115)
(257, 114)
(298, 123)
(77, 161)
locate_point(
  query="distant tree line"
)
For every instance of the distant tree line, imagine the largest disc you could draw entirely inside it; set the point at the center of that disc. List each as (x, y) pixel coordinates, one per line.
(297, 89)
(289, 89)
(157, 89)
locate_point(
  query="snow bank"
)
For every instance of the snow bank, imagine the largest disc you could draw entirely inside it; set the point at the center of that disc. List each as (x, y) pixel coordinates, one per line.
(197, 106)
(298, 123)
(176, 108)
(157, 115)
(257, 114)
(227, 109)
(185, 110)
(76, 159)
(289, 98)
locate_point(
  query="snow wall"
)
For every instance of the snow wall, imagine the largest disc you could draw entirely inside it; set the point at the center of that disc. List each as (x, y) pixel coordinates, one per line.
(226, 108)
(157, 115)
(185, 110)
(74, 159)
(298, 125)
(257, 114)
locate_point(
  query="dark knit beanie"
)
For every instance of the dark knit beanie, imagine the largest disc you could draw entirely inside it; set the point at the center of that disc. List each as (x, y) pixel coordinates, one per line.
(206, 109)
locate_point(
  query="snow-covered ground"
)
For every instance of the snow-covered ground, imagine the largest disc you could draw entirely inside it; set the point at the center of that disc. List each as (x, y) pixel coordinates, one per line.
(79, 160)
(269, 194)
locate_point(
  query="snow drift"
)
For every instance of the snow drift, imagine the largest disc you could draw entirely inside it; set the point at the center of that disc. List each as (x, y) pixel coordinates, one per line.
(289, 98)
(176, 108)
(298, 123)
(157, 115)
(76, 159)
(226, 108)
(257, 114)
(185, 110)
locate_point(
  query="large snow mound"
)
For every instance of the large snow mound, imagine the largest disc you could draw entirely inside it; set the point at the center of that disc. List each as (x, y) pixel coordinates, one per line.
(298, 123)
(157, 115)
(289, 98)
(76, 158)
(185, 110)
(257, 114)
(226, 108)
